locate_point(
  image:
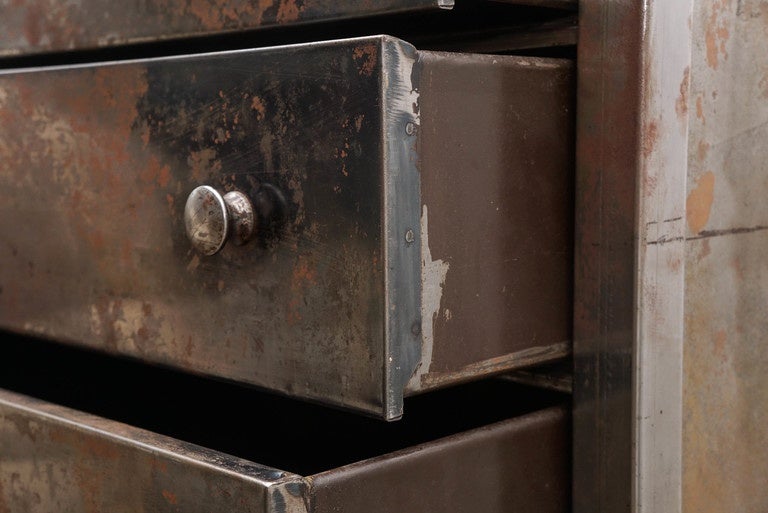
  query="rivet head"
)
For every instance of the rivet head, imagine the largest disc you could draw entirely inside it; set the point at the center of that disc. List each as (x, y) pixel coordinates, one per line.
(410, 128)
(211, 219)
(409, 236)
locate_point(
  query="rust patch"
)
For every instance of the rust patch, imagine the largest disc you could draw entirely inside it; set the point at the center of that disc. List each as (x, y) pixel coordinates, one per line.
(366, 57)
(170, 497)
(258, 105)
(681, 105)
(699, 203)
(716, 36)
(651, 136)
(288, 11)
(700, 110)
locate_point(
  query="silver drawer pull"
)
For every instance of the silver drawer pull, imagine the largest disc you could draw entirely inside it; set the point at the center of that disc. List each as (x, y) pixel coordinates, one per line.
(211, 219)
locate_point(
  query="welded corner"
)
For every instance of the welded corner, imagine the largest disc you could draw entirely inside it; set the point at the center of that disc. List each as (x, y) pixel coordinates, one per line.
(401, 224)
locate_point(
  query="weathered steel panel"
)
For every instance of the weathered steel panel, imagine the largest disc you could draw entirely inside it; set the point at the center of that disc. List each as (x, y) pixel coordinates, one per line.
(98, 162)
(608, 104)
(345, 138)
(516, 465)
(726, 271)
(33, 26)
(56, 459)
(496, 160)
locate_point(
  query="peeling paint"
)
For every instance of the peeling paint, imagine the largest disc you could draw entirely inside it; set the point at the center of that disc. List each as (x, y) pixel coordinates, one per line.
(433, 275)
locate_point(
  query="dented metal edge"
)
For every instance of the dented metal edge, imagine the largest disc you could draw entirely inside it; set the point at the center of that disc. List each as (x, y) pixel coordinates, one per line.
(289, 489)
(401, 225)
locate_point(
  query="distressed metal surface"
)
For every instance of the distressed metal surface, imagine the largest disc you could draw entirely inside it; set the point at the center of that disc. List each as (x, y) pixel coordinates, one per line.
(516, 465)
(56, 459)
(33, 26)
(496, 157)
(685, 93)
(658, 351)
(725, 387)
(608, 104)
(98, 162)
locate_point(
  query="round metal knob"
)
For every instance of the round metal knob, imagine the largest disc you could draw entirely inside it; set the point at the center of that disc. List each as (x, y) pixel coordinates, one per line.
(211, 219)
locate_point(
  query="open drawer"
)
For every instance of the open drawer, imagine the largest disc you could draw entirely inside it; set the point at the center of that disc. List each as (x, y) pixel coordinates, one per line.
(410, 214)
(57, 459)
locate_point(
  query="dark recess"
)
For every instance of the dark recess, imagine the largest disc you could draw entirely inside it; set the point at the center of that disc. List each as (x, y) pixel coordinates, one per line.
(472, 26)
(276, 431)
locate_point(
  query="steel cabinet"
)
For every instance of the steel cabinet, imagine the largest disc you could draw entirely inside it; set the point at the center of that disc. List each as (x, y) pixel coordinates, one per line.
(413, 214)
(54, 458)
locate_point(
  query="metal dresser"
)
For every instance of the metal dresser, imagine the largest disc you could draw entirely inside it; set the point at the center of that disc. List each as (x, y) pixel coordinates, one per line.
(237, 238)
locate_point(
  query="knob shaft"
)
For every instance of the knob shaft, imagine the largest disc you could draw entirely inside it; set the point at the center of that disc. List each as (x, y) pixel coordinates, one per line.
(211, 219)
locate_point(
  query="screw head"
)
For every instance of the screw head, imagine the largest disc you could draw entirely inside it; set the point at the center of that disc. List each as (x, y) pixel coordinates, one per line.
(409, 236)
(410, 128)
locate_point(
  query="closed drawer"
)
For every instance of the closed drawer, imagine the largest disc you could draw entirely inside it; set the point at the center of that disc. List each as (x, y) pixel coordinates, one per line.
(414, 214)
(59, 459)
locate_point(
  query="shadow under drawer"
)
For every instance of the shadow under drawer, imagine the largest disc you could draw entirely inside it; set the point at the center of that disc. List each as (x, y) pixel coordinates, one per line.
(454, 452)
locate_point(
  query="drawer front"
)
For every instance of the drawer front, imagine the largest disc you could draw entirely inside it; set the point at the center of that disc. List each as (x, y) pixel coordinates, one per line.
(57, 459)
(34, 26)
(413, 211)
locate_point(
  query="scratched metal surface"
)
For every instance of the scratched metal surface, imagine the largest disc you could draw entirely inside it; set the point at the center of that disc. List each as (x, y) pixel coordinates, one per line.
(725, 386)
(97, 164)
(33, 26)
(56, 459)
(100, 159)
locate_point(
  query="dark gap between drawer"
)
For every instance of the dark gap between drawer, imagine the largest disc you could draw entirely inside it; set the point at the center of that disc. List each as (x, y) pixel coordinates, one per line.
(272, 430)
(478, 26)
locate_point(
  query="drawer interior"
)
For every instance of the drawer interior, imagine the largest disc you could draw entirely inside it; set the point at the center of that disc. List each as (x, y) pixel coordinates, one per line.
(303, 438)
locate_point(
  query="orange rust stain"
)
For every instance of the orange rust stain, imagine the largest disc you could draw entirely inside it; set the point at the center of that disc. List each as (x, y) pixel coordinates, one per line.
(650, 138)
(715, 37)
(164, 176)
(288, 11)
(681, 104)
(699, 203)
(366, 57)
(207, 14)
(170, 497)
(258, 105)
(700, 110)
